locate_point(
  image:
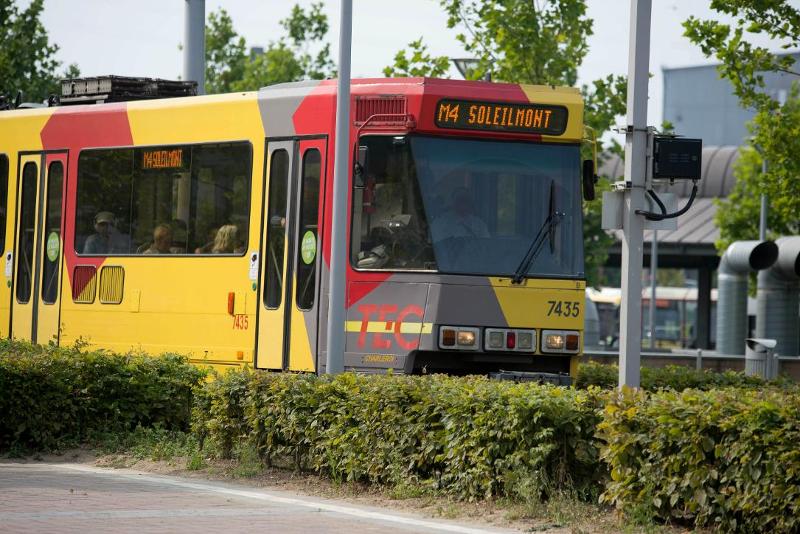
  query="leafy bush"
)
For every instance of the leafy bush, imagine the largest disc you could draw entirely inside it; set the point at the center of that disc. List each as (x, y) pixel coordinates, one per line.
(727, 458)
(675, 377)
(471, 437)
(50, 395)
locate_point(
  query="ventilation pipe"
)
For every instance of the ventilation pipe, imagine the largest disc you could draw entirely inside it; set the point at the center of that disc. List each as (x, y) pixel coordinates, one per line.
(741, 258)
(779, 298)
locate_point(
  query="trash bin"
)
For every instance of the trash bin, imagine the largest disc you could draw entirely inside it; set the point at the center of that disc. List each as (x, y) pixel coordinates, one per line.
(758, 358)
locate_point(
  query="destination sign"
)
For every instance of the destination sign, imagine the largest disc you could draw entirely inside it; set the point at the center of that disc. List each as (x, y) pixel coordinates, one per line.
(162, 159)
(501, 117)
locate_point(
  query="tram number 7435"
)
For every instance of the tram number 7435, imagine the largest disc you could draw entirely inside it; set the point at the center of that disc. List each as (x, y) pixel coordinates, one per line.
(563, 308)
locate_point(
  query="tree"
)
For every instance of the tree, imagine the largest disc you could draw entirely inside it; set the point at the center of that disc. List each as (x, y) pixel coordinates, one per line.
(417, 63)
(226, 53)
(775, 128)
(229, 67)
(27, 58)
(532, 42)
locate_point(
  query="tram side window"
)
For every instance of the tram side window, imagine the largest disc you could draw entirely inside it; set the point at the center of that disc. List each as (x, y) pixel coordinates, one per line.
(308, 231)
(27, 228)
(3, 199)
(276, 233)
(389, 225)
(192, 199)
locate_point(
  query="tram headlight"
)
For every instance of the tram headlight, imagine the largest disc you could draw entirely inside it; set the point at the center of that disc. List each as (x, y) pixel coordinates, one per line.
(465, 338)
(554, 341)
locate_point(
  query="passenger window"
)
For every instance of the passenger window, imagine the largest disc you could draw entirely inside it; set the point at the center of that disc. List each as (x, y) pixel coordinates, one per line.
(308, 231)
(3, 199)
(276, 229)
(52, 233)
(191, 199)
(26, 232)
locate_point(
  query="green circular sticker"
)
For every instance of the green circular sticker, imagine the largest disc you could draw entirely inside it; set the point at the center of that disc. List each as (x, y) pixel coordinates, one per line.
(308, 247)
(53, 246)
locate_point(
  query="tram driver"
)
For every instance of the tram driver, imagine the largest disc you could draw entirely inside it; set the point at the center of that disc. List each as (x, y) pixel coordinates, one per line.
(459, 220)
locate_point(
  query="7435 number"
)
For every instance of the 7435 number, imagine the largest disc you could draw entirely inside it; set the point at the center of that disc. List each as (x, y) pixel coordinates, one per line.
(563, 308)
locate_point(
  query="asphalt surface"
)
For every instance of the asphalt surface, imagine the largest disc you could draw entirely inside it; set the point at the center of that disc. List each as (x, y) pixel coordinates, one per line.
(37, 497)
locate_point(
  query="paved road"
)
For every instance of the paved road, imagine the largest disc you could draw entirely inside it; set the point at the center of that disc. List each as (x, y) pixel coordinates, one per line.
(79, 498)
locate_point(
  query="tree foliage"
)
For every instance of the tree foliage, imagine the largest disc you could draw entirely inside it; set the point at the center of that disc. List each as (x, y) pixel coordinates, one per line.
(417, 62)
(27, 58)
(532, 42)
(775, 128)
(301, 54)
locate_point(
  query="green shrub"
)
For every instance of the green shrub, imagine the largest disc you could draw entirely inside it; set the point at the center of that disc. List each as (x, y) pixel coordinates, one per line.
(675, 377)
(471, 437)
(51, 395)
(727, 458)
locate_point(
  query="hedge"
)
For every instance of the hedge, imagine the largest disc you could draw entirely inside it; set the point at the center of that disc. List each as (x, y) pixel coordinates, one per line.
(50, 395)
(675, 377)
(727, 458)
(470, 437)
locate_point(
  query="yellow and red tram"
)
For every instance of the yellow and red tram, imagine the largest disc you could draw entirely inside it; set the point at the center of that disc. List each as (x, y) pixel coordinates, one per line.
(200, 225)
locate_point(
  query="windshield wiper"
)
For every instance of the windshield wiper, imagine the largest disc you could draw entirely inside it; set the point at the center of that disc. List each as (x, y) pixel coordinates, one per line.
(548, 226)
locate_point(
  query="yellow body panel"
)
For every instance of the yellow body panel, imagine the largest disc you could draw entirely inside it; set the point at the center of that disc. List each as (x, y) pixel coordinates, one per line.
(568, 97)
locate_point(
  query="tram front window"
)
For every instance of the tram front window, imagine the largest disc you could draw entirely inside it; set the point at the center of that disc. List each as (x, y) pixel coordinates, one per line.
(466, 206)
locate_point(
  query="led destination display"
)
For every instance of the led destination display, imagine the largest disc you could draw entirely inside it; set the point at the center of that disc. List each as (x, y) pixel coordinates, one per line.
(502, 117)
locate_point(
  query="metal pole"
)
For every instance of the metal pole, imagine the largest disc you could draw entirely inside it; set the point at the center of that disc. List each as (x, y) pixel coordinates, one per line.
(653, 274)
(341, 176)
(632, 224)
(194, 46)
(762, 218)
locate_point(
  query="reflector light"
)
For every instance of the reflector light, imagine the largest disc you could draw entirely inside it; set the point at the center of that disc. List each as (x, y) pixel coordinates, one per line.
(511, 340)
(525, 341)
(554, 341)
(572, 341)
(448, 337)
(231, 297)
(496, 340)
(466, 338)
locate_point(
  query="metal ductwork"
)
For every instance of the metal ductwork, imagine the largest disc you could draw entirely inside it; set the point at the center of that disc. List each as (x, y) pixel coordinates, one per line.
(779, 298)
(740, 259)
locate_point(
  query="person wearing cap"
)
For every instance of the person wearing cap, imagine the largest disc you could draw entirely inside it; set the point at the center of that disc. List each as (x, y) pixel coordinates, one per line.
(100, 241)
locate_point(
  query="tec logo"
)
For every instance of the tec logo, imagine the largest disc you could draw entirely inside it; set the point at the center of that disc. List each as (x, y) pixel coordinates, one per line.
(386, 325)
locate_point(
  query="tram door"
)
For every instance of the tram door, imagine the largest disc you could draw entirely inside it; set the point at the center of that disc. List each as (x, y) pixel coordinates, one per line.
(288, 321)
(39, 251)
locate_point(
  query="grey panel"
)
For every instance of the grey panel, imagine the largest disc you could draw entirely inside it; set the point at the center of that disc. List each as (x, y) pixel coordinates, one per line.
(278, 104)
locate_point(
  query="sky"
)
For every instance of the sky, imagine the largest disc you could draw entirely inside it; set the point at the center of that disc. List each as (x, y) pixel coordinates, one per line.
(142, 37)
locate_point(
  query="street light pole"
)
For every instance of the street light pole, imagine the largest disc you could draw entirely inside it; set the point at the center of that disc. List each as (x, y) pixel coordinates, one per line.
(194, 46)
(635, 169)
(341, 178)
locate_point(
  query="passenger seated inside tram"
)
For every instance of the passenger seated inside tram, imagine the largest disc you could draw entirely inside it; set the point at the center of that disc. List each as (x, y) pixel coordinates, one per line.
(459, 220)
(105, 240)
(162, 241)
(227, 240)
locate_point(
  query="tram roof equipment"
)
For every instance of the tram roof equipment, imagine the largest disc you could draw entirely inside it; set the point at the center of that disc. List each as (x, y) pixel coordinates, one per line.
(103, 89)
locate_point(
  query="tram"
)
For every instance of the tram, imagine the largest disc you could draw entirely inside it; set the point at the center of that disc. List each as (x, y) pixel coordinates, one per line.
(200, 225)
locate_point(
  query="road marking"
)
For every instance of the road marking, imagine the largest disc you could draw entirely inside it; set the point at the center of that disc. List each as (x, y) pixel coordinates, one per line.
(262, 495)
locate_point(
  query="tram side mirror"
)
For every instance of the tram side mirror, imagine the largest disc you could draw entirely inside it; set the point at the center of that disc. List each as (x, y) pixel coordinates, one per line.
(361, 166)
(589, 179)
